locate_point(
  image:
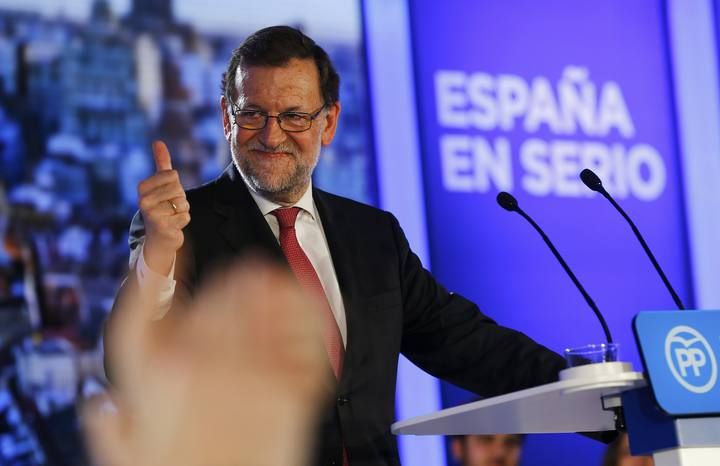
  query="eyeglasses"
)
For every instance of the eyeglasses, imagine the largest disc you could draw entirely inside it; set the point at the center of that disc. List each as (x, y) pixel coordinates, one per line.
(292, 122)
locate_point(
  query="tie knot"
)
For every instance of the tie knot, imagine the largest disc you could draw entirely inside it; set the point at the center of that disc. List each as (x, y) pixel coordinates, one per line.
(286, 217)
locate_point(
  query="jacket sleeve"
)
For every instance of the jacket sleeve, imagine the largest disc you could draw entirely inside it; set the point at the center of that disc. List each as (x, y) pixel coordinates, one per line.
(447, 336)
(183, 277)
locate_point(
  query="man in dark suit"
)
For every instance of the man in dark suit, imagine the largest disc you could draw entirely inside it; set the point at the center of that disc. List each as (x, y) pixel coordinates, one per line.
(280, 105)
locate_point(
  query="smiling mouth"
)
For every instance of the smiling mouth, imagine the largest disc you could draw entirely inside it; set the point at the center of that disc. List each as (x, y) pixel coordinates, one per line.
(263, 153)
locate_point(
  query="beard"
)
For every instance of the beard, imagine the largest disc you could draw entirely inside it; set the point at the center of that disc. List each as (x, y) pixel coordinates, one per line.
(279, 178)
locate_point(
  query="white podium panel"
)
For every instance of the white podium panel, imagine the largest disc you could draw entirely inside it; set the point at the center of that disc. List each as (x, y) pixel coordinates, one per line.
(688, 456)
(573, 404)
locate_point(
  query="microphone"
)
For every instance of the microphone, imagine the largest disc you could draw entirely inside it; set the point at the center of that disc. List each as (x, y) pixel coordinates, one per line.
(508, 202)
(593, 182)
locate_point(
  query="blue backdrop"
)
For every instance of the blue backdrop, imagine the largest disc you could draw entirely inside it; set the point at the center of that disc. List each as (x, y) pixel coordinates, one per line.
(520, 96)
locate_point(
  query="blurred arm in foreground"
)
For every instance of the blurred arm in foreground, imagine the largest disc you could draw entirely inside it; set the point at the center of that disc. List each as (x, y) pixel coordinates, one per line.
(235, 378)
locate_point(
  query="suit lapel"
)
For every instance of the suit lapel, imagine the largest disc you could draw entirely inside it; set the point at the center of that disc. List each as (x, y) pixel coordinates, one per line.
(339, 233)
(243, 226)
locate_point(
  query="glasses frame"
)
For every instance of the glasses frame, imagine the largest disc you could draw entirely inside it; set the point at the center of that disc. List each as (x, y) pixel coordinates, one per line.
(279, 117)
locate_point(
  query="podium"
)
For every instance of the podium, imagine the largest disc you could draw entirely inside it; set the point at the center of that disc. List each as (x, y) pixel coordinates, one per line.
(672, 411)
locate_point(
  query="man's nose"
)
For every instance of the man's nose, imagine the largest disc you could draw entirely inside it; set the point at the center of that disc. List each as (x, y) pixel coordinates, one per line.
(498, 450)
(272, 135)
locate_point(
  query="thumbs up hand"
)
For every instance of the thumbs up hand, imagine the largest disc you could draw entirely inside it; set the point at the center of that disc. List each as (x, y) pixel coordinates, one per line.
(165, 210)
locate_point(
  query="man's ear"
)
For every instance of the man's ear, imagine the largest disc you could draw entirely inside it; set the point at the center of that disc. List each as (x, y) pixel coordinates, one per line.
(331, 121)
(456, 449)
(226, 117)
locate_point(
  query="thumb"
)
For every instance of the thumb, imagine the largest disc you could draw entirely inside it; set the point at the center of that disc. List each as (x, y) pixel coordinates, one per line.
(161, 156)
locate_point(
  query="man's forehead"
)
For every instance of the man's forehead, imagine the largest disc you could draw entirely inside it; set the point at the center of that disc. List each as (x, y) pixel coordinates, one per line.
(297, 80)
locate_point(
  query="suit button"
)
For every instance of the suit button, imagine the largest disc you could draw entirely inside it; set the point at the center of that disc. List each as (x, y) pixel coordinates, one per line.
(342, 401)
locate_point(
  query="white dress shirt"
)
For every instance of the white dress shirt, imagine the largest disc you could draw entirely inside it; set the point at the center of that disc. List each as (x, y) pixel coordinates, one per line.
(310, 235)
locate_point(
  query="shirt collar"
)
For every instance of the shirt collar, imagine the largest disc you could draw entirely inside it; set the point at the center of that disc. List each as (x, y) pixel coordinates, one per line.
(266, 206)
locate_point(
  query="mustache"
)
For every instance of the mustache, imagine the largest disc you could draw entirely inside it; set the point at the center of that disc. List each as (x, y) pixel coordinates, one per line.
(282, 147)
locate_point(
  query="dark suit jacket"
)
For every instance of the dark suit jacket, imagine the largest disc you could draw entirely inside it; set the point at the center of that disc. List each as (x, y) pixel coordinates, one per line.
(392, 303)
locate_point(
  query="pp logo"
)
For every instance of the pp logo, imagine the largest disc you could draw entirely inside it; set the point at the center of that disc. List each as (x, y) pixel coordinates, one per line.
(691, 359)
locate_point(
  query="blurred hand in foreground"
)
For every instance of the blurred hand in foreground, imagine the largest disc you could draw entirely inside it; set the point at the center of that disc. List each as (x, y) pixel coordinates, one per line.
(236, 378)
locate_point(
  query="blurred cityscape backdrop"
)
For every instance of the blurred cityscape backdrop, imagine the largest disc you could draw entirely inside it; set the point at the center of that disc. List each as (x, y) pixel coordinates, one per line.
(85, 86)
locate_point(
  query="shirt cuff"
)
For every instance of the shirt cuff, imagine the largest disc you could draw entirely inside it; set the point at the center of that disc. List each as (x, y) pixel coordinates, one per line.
(164, 285)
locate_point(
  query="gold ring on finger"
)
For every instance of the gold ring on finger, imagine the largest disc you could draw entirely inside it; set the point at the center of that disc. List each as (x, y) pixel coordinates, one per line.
(172, 204)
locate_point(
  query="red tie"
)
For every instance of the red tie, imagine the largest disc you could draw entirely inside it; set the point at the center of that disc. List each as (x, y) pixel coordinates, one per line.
(306, 275)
